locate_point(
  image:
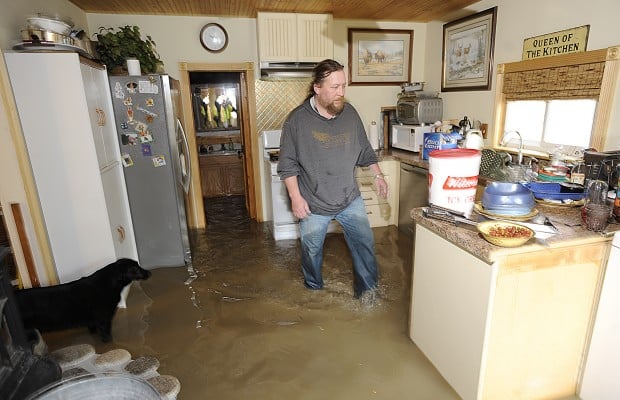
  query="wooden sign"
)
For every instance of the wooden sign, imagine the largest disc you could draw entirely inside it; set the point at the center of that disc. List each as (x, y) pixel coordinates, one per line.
(572, 40)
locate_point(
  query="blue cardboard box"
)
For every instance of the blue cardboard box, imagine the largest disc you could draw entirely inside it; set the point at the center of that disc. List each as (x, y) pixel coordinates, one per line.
(438, 141)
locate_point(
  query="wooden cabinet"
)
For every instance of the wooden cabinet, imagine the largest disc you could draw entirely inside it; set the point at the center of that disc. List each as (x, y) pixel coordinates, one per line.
(221, 175)
(512, 328)
(381, 212)
(292, 37)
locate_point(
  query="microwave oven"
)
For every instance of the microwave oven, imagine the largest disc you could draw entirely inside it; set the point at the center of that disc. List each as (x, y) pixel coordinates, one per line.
(409, 137)
(416, 111)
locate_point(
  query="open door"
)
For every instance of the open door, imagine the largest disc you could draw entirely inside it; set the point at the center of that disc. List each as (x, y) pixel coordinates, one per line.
(195, 206)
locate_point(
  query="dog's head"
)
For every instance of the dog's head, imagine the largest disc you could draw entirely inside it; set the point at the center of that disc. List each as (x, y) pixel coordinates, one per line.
(125, 270)
(132, 270)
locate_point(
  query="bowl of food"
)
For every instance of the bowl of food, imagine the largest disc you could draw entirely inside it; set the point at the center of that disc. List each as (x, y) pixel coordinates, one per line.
(507, 195)
(505, 233)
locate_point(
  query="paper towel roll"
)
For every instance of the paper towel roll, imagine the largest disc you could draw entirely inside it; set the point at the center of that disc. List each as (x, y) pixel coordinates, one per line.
(373, 135)
(133, 67)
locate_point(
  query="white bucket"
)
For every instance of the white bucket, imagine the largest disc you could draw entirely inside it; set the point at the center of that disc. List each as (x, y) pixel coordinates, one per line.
(453, 179)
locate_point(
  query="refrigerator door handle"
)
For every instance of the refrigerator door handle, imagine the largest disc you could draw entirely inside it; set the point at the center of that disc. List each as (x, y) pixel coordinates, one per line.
(186, 164)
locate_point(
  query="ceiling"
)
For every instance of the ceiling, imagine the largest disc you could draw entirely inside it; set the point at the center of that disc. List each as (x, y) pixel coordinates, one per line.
(387, 10)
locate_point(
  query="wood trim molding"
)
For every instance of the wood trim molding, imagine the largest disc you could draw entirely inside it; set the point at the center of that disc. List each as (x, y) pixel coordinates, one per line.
(196, 213)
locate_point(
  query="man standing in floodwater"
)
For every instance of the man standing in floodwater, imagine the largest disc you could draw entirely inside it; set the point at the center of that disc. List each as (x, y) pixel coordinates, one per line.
(323, 140)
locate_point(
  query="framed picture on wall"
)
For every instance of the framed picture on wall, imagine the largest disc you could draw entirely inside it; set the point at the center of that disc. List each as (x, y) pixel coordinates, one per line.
(468, 52)
(379, 56)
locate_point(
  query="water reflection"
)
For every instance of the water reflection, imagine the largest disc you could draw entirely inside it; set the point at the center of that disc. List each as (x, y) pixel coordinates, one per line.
(247, 328)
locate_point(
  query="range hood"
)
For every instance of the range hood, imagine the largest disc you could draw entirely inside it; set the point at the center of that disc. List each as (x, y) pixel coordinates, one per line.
(286, 70)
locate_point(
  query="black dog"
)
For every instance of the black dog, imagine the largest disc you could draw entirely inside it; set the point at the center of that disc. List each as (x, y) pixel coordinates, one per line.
(90, 301)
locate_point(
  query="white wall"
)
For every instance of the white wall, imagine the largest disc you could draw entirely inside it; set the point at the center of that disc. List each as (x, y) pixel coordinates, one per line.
(177, 39)
(519, 20)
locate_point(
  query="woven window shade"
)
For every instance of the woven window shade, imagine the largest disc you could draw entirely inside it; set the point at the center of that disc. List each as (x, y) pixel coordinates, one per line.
(565, 82)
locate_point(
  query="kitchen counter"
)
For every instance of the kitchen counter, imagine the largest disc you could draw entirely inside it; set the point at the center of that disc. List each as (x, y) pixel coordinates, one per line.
(566, 219)
(507, 323)
(407, 157)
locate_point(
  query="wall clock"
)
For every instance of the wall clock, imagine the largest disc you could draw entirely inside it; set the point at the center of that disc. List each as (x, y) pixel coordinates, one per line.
(213, 37)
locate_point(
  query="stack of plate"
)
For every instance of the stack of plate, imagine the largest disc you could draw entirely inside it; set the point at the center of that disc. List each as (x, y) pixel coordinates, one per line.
(507, 199)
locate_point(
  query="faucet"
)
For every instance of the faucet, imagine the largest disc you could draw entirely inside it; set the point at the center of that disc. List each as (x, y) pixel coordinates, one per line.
(504, 141)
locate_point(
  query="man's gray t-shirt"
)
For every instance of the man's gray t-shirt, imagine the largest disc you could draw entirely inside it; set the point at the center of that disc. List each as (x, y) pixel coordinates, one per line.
(323, 154)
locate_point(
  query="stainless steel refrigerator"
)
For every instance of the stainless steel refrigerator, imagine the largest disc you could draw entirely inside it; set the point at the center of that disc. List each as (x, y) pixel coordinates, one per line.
(155, 158)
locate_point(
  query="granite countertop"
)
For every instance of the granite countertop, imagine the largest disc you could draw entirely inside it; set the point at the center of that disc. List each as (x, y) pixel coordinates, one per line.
(407, 157)
(566, 219)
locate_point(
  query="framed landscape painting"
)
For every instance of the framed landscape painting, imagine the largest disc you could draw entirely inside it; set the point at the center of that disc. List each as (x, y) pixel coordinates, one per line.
(468, 52)
(379, 56)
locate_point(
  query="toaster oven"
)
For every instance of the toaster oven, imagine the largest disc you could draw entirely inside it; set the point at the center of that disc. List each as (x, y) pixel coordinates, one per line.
(417, 111)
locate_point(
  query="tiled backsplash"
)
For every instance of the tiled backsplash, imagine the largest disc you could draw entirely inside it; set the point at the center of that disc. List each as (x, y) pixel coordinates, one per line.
(275, 99)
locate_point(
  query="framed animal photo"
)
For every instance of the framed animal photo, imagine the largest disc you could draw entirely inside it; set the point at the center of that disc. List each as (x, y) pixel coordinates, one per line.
(468, 52)
(379, 56)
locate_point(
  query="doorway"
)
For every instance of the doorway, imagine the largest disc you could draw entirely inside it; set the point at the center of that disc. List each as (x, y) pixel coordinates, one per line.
(244, 74)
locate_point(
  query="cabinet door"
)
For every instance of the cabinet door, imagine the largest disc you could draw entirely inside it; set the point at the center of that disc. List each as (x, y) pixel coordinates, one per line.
(314, 37)
(450, 295)
(292, 37)
(105, 115)
(97, 92)
(119, 214)
(92, 102)
(234, 175)
(277, 36)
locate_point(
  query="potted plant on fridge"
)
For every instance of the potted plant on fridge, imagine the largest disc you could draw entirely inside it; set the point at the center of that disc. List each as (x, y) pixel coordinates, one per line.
(116, 45)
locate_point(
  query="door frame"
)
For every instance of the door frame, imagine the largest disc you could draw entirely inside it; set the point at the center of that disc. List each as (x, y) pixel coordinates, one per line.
(194, 203)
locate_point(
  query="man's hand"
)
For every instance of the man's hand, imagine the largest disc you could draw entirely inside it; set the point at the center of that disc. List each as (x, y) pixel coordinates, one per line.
(382, 187)
(300, 207)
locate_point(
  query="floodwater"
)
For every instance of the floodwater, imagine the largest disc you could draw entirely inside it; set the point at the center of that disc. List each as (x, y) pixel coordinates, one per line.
(247, 328)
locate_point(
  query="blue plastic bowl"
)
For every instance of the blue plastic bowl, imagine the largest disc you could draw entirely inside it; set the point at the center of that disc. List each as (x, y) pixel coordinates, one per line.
(506, 196)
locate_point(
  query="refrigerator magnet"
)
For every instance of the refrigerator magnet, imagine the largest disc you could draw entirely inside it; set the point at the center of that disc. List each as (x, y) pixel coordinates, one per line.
(141, 127)
(131, 87)
(127, 101)
(159, 161)
(124, 125)
(119, 93)
(145, 137)
(145, 111)
(130, 114)
(146, 150)
(149, 102)
(132, 139)
(127, 161)
(148, 86)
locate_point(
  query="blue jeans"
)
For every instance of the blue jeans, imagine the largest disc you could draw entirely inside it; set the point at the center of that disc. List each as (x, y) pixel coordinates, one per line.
(359, 238)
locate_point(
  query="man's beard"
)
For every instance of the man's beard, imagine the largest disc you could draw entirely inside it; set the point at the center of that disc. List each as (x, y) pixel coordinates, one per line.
(335, 107)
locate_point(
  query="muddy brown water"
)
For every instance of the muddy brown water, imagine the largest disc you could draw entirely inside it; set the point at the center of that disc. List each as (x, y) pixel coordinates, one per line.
(246, 328)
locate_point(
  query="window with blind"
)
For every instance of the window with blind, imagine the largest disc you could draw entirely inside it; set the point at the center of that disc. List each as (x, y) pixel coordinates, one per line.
(556, 101)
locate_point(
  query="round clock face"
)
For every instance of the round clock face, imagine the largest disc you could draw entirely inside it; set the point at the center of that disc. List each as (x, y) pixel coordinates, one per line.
(214, 37)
